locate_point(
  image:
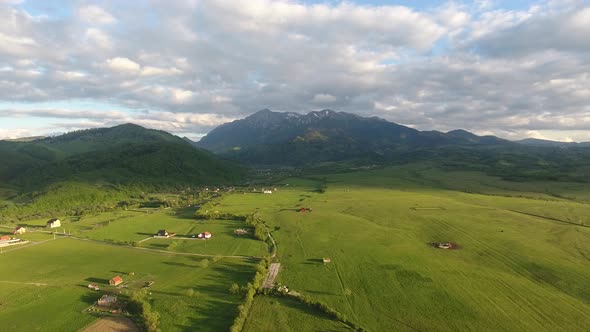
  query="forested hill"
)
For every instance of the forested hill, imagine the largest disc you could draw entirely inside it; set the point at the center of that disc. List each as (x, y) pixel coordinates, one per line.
(123, 154)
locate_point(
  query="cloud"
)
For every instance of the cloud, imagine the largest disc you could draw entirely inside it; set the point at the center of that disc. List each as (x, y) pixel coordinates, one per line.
(93, 14)
(322, 98)
(476, 66)
(74, 119)
(123, 65)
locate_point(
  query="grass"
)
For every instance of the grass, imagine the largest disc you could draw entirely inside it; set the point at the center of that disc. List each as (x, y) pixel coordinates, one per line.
(284, 314)
(514, 271)
(521, 266)
(133, 226)
(68, 265)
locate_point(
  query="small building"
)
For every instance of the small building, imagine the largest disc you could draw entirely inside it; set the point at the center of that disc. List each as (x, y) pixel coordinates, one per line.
(20, 230)
(53, 223)
(94, 287)
(326, 260)
(240, 231)
(4, 237)
(107, 301)
(162, 232)
(267, 191)
(304, 209)
(115, 281)
(205, 235)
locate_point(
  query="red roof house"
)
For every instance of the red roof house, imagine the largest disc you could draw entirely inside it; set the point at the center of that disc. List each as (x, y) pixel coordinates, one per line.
(115, 281)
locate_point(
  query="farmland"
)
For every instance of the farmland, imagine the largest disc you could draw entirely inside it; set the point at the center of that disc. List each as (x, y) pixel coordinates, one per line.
(65, 266)
(521, 261)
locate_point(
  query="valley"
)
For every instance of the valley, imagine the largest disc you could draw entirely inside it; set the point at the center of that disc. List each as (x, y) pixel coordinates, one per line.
(520, 263)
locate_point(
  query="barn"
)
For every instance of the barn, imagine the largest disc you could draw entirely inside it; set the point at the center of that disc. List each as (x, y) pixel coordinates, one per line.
(53, 223)
(115, 281)
(20, 230)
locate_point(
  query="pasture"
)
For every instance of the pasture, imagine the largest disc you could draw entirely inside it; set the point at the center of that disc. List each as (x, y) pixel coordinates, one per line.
(282, 314)
(522, 263)
(64, 267)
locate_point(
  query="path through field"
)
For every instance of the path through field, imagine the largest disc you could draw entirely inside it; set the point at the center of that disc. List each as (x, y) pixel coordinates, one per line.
(272, 274)
(23, 283)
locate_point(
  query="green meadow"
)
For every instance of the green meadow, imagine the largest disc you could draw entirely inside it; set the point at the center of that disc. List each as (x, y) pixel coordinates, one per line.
(64, 267)
(521, 262)
(276, 314)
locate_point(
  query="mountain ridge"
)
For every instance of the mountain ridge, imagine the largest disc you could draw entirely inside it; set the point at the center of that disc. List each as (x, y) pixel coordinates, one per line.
(372, 134)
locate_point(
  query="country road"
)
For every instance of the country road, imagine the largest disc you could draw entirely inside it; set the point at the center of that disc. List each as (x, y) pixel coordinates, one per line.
(273, 270)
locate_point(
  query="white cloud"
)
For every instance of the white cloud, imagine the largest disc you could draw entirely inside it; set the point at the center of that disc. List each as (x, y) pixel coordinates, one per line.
(93, 14)
(98, 38)
(460, 65)
(123, 65)
(154, 71)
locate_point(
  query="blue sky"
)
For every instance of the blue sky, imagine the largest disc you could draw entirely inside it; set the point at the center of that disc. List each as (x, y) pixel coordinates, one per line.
(509, 68)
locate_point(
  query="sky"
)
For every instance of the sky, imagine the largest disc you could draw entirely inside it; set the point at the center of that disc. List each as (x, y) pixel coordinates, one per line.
(514, 69)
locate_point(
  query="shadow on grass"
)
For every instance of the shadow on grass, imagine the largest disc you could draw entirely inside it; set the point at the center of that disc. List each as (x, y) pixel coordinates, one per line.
(97, 280)
(214, 315)
(90, 298)
(180, 264)
(186, 213)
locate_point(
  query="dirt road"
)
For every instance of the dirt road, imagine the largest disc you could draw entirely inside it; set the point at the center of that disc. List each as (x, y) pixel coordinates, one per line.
(273, 270)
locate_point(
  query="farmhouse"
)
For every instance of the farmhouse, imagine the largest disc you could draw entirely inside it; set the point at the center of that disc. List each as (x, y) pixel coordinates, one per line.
(267, 191)
(53, 223)
(326, 260)
(240, 231)
(107, 301)
(162, 232)
(93, 287)
(115, 281)
(304, 209)
(205, 235)
(19, 230)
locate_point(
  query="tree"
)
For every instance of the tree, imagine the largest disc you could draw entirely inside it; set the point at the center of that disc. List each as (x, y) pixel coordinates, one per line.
(204, 263)
(234, 289)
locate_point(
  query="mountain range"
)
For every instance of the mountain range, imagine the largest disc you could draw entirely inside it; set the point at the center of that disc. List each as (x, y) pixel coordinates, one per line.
(274, 137)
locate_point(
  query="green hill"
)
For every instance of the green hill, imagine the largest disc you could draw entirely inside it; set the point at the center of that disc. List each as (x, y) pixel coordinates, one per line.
(103, 165)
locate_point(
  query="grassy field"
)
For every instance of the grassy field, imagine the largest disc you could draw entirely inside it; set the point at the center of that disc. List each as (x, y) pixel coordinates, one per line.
(522, 263)
(275, 314)
(64, 267)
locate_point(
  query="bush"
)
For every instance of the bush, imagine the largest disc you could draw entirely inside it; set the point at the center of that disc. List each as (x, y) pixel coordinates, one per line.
(204, 263)
(234, 289)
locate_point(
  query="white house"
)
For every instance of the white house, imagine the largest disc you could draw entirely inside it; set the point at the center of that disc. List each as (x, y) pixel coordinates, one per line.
(54, 223)
(267, 191)
(19, 230)
(205, 235)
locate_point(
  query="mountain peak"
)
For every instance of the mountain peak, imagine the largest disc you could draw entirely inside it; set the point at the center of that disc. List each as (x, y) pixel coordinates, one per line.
(323, 113)
(462, 133)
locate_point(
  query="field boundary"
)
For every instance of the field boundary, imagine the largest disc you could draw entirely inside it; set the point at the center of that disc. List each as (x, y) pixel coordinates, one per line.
(549, 218)
(163, 251)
